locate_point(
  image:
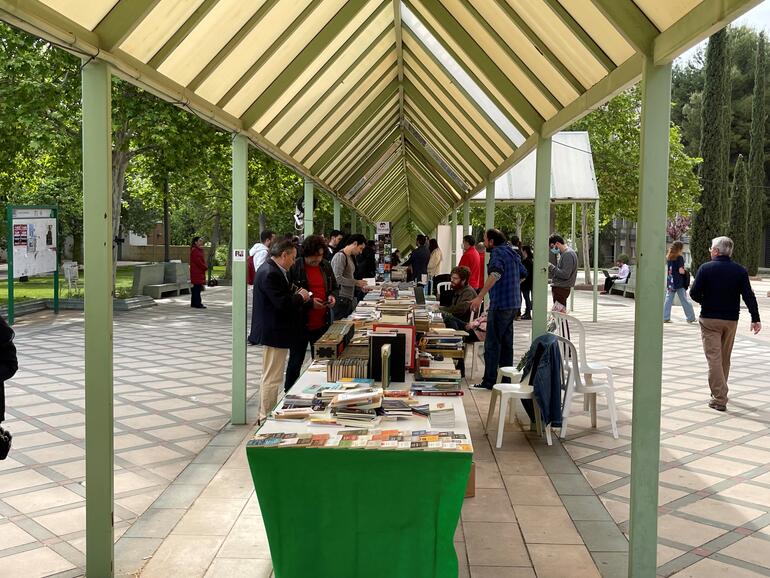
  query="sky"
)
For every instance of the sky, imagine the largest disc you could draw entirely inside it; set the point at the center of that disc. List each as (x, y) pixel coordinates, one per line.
(757, 18)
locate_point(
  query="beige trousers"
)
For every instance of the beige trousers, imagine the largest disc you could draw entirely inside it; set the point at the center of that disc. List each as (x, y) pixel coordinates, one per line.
(718, 336)
(273, 375)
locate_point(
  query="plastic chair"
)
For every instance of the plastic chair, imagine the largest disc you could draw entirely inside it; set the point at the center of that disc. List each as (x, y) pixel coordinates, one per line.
(507, 394)
(566, 327)
(440, 287)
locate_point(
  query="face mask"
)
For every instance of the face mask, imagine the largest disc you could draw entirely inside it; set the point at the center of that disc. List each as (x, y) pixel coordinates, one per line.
(554, 250)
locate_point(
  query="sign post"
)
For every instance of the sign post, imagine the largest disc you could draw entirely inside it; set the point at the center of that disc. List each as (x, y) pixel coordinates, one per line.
(33, 247)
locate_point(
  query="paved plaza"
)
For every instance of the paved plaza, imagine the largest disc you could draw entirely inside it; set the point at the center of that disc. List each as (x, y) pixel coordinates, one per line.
(185, 503)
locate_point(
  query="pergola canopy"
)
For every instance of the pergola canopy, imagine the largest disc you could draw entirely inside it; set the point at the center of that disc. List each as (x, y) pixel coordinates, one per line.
(402, 109)
(572, 173)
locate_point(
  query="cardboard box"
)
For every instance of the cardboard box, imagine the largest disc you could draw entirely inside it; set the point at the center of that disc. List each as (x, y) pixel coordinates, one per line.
(470, 490)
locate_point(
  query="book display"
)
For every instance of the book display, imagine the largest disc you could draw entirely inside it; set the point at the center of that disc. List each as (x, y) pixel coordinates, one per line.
(366, 446)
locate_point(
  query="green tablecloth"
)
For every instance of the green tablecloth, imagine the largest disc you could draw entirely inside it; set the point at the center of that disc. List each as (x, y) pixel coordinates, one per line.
(360, 513)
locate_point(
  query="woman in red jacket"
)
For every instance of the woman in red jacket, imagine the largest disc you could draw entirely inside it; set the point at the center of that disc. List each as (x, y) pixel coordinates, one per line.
(197, 272)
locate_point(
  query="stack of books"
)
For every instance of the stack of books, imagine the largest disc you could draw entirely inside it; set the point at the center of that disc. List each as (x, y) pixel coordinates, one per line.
(435, 381)
(395, 408)
(347, 368)
(333, 342)
(357, 408)
(367, 439)
(446, 342)
(442, 415)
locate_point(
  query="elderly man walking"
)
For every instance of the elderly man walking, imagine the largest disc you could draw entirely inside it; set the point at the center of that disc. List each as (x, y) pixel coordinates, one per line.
(276, 320)
(718, 287)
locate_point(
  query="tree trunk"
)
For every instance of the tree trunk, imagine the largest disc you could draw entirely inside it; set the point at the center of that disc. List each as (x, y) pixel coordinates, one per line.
(120, 159)
(518, 225)
(262, 222)
(229, 265)
(585, 234)
(166, 223)
(215, 235)
(627, 225)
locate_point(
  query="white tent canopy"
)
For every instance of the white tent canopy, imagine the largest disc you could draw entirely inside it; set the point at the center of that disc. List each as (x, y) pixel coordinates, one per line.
(572, 173)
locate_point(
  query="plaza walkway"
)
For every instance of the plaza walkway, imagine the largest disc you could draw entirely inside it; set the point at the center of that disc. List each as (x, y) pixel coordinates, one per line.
(185, 503)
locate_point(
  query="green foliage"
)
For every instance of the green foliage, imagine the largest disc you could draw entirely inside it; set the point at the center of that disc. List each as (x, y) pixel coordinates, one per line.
(756, 179)
(709, 220)
(739, 213)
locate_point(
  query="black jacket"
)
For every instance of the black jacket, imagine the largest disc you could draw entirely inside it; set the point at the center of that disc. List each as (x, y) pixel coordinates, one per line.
(8, 362)
(719, 286)
(544, 359)
(298, 276)
(419, 262)
(529, 265)
(276, 315)
(366, 264)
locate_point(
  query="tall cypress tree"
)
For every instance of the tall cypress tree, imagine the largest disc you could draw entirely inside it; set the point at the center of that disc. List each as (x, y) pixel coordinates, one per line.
(739, 213)
(709, 219)
(756, 179)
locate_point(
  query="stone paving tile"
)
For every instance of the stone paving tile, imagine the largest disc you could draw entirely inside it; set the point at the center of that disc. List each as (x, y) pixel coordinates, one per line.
(167, 407)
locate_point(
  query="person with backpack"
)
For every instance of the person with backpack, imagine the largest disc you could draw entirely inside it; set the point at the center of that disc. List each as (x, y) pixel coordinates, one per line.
(677, 283)
(8, 367)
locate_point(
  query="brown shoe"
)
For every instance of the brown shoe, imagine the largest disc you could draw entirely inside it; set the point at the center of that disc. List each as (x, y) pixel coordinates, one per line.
(717, 406)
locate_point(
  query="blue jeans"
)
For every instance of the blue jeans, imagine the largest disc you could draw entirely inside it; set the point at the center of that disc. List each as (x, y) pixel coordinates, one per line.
(686, 305)
(498, 345)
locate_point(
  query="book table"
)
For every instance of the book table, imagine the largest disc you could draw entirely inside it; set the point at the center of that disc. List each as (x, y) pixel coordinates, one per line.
(361, 513)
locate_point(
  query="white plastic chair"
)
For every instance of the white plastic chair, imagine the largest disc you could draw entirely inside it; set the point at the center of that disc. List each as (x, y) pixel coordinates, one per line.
(566, 327)
(507, 394)
(441, 287)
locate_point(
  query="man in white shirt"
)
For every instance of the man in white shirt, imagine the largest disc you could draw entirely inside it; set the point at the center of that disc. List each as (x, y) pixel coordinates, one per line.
(621, 277)
(260, 251)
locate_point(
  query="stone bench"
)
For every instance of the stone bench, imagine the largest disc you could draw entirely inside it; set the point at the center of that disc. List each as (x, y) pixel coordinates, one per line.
(159, 279)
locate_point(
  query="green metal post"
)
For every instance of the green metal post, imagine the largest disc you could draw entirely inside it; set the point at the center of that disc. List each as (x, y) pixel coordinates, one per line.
(97, 241)
(574, 246)
(542, 224)
(596, 260)
(336, 213)
(453, 234)
(466, 217)
(308, 208)
(353, 222)
(648, 326)
(58, 259)
(9, 252)
(489, 212)
(239, 247)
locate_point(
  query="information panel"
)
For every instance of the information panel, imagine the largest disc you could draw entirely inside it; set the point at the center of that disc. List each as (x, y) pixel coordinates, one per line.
(34, 242)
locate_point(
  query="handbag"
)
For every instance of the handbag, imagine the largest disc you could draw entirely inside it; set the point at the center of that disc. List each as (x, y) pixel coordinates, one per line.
(5, 443)
(686, 279)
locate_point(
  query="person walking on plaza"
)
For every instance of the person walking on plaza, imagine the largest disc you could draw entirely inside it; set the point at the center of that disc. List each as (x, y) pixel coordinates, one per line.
(472, 260)
(718, 287)
(526, 283)
(418, 260)
(276, 319)
(344, 267)
(8, 367)
(505, 272)
(198, 270)
(314, 273)
(623, 272)
(675, 281)
(564, 273)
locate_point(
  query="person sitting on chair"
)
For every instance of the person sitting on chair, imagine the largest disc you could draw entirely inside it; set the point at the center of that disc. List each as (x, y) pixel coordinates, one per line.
(621, 277)
(458, 314)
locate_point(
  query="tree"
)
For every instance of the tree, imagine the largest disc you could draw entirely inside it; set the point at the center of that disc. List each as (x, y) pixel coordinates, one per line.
(756, 179)
(678, 226)
(739, 213)
(709, 219)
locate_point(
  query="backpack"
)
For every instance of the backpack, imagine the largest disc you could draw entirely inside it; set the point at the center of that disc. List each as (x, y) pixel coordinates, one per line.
(686, 279)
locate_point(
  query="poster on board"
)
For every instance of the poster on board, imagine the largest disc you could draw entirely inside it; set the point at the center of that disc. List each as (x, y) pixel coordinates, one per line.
(34, 242)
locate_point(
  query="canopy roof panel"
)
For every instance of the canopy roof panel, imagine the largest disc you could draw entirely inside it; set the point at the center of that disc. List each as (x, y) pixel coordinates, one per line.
(403, 108)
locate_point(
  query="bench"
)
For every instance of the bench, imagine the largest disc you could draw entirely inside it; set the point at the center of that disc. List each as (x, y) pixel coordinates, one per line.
(178, 273)
(151, 280)
(627, 287)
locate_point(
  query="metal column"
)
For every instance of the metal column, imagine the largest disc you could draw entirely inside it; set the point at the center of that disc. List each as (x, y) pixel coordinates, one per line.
(97, 237)
(239, 243)
(453, 238)
(308, 208)
(489, 213)
(648, 326)
(540, 245)
(353, 223)
(336, 214)
(573, 243)
(466, 217)
(596, 259)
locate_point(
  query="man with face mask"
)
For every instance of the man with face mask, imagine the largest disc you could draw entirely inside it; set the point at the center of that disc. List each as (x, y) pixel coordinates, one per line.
(564, 273)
